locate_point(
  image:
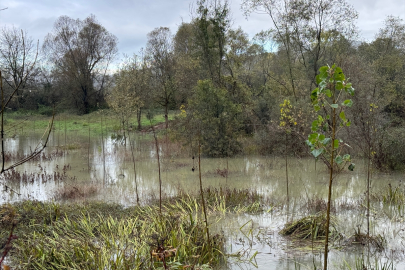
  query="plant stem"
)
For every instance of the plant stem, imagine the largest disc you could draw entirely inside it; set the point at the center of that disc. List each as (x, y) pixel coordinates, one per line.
(286, 167)
(88, 148)
(330, 188)
(202, 193)
(368, 193)
(158, 159)
(102, 144)
(133, 161)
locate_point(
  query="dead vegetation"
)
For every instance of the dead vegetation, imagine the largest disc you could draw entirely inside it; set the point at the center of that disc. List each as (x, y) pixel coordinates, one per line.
(25, 177)
(361, 239)
(71, 192)
(311, 227)
(14, 156)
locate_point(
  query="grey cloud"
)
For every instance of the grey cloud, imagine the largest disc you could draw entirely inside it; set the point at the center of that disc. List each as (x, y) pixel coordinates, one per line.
(131, 20)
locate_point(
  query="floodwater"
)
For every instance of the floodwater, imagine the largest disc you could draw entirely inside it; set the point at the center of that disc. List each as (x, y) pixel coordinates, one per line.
(109, 168)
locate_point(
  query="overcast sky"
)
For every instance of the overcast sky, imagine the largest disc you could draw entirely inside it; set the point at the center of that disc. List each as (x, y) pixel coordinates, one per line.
(131, 20)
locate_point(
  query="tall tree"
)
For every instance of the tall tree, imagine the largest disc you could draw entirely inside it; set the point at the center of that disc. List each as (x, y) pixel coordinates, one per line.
(160, 51)
(81, 52)
(18, 56)
(212, 23)
(301, 30)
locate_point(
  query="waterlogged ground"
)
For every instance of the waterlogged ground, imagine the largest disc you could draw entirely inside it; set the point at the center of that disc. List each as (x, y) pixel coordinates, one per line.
(106, 172)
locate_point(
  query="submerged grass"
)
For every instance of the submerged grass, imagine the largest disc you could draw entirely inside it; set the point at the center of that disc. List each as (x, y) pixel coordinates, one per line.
(224, 200)
(390, 195)
(362, 263)
(311, 227)
(108, 236)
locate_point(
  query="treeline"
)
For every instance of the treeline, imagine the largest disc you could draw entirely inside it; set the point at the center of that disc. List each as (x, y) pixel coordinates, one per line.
(226, 86)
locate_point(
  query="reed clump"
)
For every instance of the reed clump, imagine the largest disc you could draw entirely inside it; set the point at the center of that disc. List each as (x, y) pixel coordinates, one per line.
(224, 200)
(376, 242)
(311, 227)
(107, 236)
(235, 199)
(15, 156)
(26, 177)
(389, 195)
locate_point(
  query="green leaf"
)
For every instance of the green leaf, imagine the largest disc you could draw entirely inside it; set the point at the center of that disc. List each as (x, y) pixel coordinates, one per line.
(328, 93)
(351, 167)
(334, 106)
(322, 86)
(317, 107)
(339, 160)
(348, 123)
(314, 94)
(349, 90)
(347, 103)
(346, 157)
(324, 70)
(326, 141)
(321, 137)
(325, 127)
(336, 144)
(318, 79)
(314, 126)
(338, 75)
(339, 85)
(312, 138)
(317, 152)
(342, 116)
(323, 74)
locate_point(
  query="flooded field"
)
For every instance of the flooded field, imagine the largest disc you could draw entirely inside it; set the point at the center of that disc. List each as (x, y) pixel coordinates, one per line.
(73, 168)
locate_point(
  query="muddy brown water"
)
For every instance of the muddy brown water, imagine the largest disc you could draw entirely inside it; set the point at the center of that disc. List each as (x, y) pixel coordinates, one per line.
(255, 237)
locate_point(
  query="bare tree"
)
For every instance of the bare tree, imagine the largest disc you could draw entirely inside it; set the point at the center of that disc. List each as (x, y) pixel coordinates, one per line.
(81, 52)
(18, 57)
(20, 66)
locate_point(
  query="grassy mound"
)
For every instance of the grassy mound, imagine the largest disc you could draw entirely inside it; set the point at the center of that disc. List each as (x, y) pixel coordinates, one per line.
(311, 227)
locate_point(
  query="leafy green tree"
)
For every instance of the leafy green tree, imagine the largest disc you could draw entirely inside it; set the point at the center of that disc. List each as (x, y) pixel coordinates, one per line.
(330, 103)
(214, 119)
(380, 116)
(125, 98)
(212, 23)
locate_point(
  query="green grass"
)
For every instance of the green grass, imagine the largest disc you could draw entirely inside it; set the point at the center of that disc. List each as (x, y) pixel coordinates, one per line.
(109, 236)
(98, 235)
(18, 122)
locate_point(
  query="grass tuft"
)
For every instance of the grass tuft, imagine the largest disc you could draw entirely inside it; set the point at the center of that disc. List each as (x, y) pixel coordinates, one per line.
(311, 227)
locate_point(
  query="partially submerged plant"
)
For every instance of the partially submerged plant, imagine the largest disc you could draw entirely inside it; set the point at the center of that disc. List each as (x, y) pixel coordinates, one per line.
(324, 142)
(106, 236)
(390, 195)
(311, 227)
